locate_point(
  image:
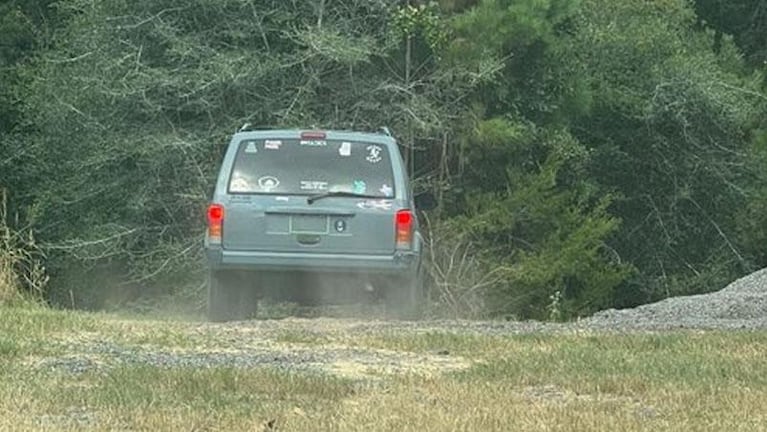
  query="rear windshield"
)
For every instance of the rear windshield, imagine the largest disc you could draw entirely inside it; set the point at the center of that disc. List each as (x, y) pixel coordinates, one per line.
(293, 166)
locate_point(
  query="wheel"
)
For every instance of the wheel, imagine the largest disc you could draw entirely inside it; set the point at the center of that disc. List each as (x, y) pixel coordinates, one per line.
(230, 298)
(405, 297)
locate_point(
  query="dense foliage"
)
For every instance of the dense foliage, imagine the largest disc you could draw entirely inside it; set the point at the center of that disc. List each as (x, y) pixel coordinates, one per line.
(587, 153)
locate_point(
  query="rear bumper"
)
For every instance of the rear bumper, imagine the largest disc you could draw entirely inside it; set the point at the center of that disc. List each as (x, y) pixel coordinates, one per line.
(400, 262)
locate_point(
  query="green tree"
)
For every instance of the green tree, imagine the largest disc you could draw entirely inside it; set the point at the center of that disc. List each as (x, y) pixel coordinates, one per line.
(24, 29)
(668, 129)
(743, 20)
(535, 218)
(134, 101)
(521, 189)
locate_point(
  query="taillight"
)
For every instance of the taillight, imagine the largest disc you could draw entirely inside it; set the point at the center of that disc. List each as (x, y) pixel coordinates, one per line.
(403, 223)
(215, 222)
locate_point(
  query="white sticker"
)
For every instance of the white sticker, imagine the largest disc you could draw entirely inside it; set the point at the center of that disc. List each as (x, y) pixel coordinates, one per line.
(314, 143)
(268, 183)
(386, 190)
(341, 188)
(272, 144)
(313, 185)
(346, 149)
(373, 204)
(282, 198)
(251, 147)
(239, 185)
(374, 154)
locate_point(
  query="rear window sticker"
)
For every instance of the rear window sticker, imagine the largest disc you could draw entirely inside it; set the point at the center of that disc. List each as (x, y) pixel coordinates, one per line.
(359, 187)
(345, 149)
(314, 143)
(375, 204)
(313, 185)
(251, 147)
(268, 183)
(272, 144)
(340, 188)
(386, 190)
(374, 154)
(239, 184)
(282, 198)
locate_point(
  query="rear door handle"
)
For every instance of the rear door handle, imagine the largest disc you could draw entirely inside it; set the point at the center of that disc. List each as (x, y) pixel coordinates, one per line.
(308, 239)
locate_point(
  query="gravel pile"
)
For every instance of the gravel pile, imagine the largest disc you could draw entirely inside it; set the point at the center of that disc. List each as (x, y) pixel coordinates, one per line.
(741, 305)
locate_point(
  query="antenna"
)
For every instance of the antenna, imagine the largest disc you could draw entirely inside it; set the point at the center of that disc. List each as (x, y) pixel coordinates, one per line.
(385, 130)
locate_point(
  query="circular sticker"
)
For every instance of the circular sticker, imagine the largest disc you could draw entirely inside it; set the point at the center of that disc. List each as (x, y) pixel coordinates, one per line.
(268, 183)
(374, 154)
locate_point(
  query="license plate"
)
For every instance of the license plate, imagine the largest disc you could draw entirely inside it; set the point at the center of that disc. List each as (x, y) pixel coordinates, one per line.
(308, 224)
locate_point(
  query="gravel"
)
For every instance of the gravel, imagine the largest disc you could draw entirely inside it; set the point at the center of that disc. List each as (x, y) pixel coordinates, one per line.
(740, 305)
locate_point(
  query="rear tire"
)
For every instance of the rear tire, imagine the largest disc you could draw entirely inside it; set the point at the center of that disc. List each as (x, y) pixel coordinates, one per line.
(405, 297)
(230, 298)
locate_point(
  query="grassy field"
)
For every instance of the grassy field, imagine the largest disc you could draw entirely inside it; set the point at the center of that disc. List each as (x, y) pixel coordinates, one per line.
(70, 371)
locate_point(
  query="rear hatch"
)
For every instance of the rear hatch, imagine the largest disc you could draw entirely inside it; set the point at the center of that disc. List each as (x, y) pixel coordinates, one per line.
(272, 180)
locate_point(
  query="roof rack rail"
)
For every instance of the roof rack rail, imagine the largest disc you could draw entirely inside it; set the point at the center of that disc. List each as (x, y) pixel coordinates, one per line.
(250, 127)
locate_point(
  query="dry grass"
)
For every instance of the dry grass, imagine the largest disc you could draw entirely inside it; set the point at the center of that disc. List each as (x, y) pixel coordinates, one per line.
(8, 291)
(687, 381)
(18, 250)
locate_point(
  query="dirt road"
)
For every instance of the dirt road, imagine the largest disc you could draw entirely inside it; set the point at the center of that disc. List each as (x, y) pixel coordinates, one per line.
(354, 348)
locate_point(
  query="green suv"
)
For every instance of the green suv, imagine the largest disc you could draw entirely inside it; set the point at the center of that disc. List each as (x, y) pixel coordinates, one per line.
(292, 208)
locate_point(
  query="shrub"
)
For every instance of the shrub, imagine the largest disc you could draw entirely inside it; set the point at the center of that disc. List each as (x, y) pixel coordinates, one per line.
(457, 278)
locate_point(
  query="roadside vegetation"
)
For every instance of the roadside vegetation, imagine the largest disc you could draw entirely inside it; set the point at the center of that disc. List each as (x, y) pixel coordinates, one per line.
(587, 153)
(63, 370)
(22, 275)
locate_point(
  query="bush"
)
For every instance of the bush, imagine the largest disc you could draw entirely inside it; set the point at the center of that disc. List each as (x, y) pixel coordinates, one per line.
(457, 278)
